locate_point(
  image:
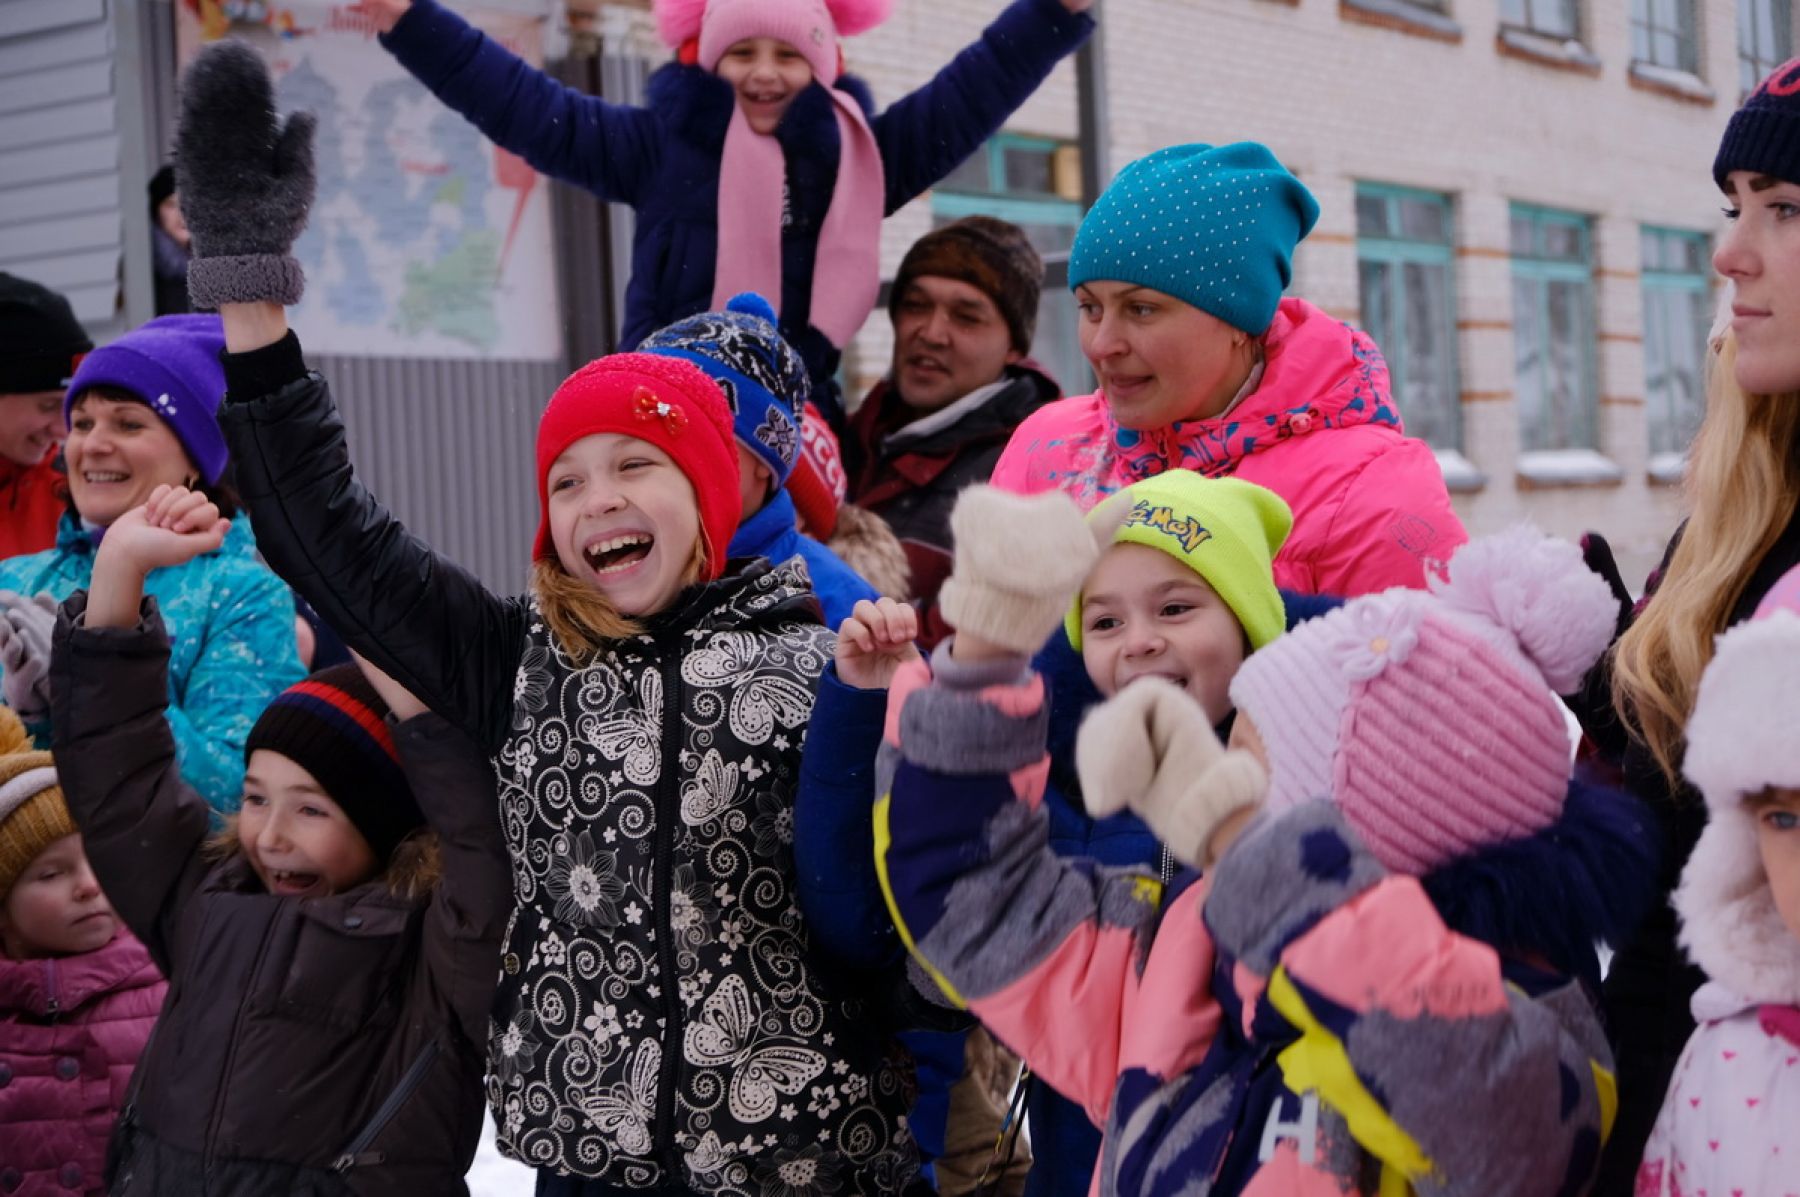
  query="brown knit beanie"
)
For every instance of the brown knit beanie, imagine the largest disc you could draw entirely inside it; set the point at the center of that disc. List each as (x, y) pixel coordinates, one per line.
(992, 256)
(32, 812)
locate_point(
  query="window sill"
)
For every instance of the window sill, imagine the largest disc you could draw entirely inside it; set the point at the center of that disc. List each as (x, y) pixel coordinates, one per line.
(1566, 55)
(1417, 20)
(1460, 475)
(1555, 468)
(1667, 469)
(1677, 85)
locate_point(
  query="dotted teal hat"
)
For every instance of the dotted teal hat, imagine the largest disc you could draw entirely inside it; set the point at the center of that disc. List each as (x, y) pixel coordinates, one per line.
(1214, 226)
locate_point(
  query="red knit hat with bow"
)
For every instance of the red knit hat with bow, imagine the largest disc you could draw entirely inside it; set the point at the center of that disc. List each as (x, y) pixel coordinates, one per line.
(666, 402)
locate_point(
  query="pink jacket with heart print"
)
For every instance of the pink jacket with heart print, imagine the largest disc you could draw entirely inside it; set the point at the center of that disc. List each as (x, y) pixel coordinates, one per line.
(71, 1031)
(1370, 507)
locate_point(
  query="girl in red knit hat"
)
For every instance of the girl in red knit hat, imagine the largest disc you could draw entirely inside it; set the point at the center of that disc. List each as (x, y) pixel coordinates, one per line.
(662, 1021)
(757, 165)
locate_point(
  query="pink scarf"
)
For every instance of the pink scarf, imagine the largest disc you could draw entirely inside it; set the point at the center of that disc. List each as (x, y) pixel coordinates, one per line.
(847, 270)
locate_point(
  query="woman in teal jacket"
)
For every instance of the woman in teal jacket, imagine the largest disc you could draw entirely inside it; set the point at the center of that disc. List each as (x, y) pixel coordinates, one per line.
(141, 413)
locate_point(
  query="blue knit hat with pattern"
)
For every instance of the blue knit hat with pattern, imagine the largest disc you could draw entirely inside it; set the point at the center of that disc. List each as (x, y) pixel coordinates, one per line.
(1214, 226)
(763, 378)
(1764, 135)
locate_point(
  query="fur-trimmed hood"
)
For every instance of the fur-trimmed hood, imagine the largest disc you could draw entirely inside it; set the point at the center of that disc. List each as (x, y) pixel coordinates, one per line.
(1740, 740)
(868, 546)
(1730, 926)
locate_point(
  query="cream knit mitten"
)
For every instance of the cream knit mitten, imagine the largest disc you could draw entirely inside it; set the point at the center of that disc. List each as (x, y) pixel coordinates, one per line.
(1150, 748)
(1020, 560)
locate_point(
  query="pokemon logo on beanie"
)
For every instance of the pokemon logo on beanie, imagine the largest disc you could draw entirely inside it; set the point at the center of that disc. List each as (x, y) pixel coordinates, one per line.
(1224, 529)
(1740, 741)
(666, 402)
(33, 814)
(762, 377)
(334, 725)
(1213, 226)
(1431, 718)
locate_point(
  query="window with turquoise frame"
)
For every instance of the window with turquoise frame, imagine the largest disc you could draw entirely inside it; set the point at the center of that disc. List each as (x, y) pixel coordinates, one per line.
(1765, 39)
(1677, 318)
(1033, 182)
(1405, 262)
(1553, 328)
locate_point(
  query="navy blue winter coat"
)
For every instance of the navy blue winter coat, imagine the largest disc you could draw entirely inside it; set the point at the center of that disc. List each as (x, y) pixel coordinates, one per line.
(663, 159)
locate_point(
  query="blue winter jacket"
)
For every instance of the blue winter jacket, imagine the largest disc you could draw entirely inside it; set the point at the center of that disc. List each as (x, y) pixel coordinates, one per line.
(231, 644)
(840, 895)
(663, 159)
(774, 532)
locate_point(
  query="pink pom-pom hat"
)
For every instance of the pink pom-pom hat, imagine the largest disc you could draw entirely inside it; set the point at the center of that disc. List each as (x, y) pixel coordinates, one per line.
(813, 27)
(1431, 718)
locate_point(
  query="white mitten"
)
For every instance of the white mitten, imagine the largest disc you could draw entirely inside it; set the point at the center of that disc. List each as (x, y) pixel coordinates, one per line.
(1150, 748)
(1020, 561)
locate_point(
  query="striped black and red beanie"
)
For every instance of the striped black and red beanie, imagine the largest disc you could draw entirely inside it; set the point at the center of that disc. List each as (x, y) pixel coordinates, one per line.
(334, 725)
(1764, 135)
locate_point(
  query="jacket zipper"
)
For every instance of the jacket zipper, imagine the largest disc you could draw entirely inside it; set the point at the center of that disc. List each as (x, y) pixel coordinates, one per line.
(668, 802)
(52, 1004)
(357, 1154)
(237, 1023)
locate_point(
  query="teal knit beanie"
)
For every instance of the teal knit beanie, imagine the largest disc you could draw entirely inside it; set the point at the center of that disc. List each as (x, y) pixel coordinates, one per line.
(1214, 226)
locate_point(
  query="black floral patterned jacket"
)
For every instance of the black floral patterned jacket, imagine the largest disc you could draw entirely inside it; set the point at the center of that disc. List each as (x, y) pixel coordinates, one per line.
(661, 1017)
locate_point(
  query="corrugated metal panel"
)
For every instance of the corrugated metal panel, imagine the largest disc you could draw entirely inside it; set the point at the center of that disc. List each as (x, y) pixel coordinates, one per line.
(450, 448)
(60, 218)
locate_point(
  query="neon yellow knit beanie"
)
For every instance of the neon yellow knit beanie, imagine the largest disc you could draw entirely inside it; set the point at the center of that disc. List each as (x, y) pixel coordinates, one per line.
(1224, 529)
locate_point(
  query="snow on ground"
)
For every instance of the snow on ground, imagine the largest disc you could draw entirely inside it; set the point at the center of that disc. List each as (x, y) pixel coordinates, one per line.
(493, 1175)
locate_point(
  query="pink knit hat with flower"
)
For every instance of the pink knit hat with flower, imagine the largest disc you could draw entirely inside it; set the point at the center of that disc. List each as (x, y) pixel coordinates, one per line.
(1431, 717)
(752, 169)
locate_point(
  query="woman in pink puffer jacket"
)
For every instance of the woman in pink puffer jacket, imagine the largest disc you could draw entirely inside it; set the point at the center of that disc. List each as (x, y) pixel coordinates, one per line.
(78, 994)
(1178, 272)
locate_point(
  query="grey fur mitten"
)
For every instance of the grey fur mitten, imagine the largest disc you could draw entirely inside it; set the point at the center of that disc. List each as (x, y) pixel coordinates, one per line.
(1020, 561)
(245, 178)
(1150, 748)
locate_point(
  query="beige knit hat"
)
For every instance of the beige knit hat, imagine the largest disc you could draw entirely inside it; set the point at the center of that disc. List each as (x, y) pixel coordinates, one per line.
(33, 814)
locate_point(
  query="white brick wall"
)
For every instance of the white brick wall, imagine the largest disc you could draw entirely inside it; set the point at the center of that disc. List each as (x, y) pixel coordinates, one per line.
(1341, 101)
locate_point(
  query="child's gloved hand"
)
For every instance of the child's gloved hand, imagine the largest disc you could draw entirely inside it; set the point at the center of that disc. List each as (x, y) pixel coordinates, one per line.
(1020, 560)
(875, 642)
(1150, 748)
(245, 178)
(25, 628)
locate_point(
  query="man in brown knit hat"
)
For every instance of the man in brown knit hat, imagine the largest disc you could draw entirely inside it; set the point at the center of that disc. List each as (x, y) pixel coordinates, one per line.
(964, 308)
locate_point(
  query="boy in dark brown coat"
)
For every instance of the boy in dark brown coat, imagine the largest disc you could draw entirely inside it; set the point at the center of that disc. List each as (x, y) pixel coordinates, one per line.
(332, 954)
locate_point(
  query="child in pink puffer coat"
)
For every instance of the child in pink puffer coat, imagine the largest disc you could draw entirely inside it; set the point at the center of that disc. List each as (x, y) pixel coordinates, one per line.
(78, 994)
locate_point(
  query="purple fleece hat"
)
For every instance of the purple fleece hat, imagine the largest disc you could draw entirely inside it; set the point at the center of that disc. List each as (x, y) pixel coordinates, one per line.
(172, 365)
